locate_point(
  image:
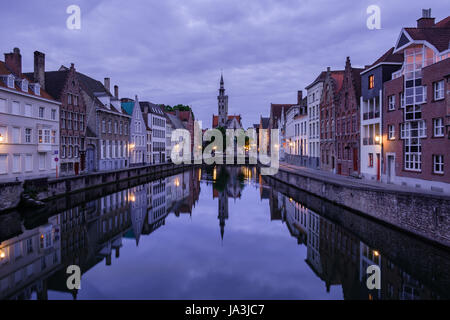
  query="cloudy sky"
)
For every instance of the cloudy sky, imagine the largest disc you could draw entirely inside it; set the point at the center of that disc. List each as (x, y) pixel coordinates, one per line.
(173, 51)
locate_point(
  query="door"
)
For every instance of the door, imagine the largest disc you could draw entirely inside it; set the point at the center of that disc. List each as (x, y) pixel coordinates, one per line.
(355, 159)
(90, 158)
(378, 167)
(339, 167)
(391, 168)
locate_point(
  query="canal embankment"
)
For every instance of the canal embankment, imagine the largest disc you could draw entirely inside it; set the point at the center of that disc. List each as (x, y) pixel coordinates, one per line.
(424, 214)
(45, 189)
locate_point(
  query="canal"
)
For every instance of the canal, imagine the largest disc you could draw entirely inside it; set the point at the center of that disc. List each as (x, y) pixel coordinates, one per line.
(212, 233)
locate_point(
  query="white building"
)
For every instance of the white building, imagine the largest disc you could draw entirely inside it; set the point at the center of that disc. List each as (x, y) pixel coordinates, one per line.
(138, 133)
(314, 93)
(157, 122)
(29, 125)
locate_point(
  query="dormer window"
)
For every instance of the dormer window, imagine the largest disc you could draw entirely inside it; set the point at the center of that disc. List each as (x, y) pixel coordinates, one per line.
(37, 89)
(24, 85)
(10, 81)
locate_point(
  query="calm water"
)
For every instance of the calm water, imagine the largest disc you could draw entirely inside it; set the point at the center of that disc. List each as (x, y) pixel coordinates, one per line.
(221, 233)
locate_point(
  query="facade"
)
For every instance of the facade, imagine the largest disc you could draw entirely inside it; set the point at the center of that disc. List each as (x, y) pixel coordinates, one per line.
(138, 133)
(297, 151)
(29, 124)
(314, 92)
(416, 109)
(223, 119)
(372, 80)
(277, 120)
(329, 101)
(64, 86)
(157, 122)
(108, 126)
(348, 122)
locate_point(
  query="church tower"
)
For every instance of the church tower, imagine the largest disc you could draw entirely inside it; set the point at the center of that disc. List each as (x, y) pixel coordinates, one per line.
(222, 104)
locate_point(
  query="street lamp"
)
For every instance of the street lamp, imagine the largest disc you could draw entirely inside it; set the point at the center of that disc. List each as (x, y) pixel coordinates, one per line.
(377, 139)
(1, 138)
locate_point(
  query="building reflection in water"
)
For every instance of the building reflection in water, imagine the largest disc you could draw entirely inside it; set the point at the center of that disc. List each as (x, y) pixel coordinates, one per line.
(339, 258)
(34, 261)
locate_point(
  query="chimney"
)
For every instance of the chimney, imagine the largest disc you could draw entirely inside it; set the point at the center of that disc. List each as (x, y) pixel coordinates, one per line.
(299, 96)
(39, 68)
(13, 61)
(107, 84)
(116, 91)
(426, 21)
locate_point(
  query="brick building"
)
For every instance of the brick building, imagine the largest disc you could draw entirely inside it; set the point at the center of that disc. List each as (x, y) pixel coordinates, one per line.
(108, 126)
(416, 125)
(348, 122)
(64, 86)
(329, 101)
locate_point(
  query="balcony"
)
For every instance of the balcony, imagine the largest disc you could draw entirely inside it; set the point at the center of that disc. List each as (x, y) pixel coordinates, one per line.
(44, 147)
(371, 115)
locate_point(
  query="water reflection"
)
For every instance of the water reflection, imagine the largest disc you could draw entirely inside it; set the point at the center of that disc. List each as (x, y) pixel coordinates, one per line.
(168, 243)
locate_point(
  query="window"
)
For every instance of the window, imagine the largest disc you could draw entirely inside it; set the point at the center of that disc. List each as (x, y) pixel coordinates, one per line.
(28, 163)
(63, 119)
(115, 127)
(16, 135)
(109, 126)
(438, 90)
(75, 121)
(41, 161)
(41, 112)
(371, 81)
(44, 136)
(3, 105)
(53, 114)
(103, 126)
(27, 135)
(391, 132)
(11, 81)
(3, 163)
(16, 163)
(75, 100)
(391, 102)
(69, 120)
(69, 99)
(438, 164)
(438, 127)
(15, 107)
(28, 110)
(53, 137)
(24, 85)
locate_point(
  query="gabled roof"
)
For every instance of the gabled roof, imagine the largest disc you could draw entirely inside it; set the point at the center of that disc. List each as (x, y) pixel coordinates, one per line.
(389, 57)
(152, 108)
(215, 121)
(437, 35)
(128, 107)
(4, 71)
(276, 109)
(320, 78)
